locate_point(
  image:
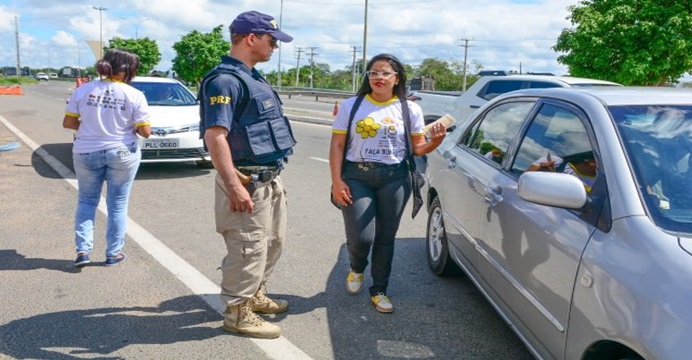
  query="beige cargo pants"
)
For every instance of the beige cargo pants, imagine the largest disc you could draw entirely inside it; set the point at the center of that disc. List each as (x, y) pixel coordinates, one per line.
(254, 241)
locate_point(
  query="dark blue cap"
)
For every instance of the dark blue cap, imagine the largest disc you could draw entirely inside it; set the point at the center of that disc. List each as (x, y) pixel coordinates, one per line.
(253, 22)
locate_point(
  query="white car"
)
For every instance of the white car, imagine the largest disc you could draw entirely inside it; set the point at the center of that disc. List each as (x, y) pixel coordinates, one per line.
(174, 122)
(42, 76)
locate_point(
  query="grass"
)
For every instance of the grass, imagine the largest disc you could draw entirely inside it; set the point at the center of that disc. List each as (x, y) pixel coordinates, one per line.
(14, 80)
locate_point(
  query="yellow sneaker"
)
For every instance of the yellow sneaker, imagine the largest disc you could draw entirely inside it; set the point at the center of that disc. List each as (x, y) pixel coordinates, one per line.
(382, 303)
(354, 282)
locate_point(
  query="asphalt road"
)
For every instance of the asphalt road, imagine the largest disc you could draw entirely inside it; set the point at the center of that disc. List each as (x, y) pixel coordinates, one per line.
(161, 303)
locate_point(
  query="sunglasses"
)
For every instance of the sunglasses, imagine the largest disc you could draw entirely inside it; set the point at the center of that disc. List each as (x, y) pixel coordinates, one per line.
(273, 42)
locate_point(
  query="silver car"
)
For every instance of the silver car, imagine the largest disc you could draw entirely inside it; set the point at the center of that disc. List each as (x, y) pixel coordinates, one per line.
(571, 210)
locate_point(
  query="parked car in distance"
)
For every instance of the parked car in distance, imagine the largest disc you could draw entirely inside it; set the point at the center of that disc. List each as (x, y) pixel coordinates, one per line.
(571, 210)
(42, 76)
(461, 104)
(174, 122)
(53, 75)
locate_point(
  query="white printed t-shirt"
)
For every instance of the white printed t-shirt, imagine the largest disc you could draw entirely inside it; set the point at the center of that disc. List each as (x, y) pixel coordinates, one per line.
(377, 132)
(109, 112)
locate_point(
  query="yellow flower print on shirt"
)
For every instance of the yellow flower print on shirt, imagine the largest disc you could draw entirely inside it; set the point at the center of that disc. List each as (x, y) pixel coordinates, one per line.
(367, 128)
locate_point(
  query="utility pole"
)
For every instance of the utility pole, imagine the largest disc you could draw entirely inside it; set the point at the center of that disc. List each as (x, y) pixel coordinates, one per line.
(16, 37)
(354, 70)
(466, 47)
(365, 37)
(299, 52)
(312, 55)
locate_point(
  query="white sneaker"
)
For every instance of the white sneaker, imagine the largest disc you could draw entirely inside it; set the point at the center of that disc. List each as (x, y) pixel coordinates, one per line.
(354, 282)
(382, 303)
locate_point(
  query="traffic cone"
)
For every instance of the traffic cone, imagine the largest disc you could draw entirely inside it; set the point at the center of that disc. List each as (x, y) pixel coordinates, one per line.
(336, 108)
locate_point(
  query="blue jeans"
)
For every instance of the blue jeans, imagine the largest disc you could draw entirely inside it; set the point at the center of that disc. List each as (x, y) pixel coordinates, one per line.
(117, 167)
(379, 193)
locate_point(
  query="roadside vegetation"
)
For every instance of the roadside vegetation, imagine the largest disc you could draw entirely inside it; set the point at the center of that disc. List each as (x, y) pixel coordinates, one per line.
(16, 80)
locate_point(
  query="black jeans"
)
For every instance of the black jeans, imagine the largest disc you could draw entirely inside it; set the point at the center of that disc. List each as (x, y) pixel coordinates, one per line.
(380, 193)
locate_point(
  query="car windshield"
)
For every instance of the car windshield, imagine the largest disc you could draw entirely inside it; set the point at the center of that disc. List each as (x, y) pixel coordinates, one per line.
(658, 142)
(166, 93)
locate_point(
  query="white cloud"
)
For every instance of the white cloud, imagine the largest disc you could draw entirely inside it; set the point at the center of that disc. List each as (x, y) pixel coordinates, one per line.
(503, 34)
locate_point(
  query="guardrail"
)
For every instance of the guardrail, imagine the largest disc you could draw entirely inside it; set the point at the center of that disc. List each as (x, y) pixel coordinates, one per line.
(317, 93)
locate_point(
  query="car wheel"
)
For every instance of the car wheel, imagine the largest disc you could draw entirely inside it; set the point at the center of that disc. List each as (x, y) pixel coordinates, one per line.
(205, 164)
(436, 246)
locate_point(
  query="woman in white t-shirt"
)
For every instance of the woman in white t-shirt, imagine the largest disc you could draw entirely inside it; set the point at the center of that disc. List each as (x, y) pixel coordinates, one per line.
(107, 114)
(373, 185)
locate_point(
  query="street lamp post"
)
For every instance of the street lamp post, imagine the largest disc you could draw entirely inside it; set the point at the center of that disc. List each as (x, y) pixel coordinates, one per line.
(136, 24)
(100, 9)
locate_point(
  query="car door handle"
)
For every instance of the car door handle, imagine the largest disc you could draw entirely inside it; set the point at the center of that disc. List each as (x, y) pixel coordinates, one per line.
(493, 196)
(474, 106)
(451, 160)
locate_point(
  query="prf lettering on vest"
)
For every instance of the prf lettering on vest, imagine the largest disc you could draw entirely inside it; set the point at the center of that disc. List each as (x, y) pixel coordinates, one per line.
(214, 100)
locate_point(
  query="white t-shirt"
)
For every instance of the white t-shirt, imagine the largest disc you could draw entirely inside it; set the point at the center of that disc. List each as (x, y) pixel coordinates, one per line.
(109, 112)
(377, 131)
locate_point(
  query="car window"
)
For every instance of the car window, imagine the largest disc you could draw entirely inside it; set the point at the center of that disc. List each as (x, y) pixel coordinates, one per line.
(491, 135)
(557, 141)
(542, 85)
(658, 142)
(499, 87)
(165, 94)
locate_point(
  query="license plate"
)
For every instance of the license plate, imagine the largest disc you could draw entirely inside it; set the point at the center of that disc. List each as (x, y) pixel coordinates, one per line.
(161, 144)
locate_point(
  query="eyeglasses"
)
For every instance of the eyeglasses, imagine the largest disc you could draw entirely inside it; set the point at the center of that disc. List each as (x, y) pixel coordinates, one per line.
(273, 42)
(380, 74)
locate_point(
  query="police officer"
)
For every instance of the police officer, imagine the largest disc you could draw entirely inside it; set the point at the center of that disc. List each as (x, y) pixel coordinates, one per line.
(249, 139)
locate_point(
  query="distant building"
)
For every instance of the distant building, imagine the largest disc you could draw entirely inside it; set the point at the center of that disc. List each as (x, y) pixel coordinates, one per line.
(12, 71)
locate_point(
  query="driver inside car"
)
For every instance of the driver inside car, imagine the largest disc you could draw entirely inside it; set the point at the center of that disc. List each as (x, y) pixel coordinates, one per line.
(581, 165)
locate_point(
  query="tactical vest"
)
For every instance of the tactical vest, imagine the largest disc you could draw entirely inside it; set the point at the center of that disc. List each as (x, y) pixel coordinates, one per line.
(260, 134)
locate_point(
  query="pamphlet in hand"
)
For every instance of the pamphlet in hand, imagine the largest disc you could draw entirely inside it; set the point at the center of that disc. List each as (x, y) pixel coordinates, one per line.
(447, 120)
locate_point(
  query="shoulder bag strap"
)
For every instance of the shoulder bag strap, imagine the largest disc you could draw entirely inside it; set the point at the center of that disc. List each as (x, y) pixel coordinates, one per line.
(356, 104)
(407, 132)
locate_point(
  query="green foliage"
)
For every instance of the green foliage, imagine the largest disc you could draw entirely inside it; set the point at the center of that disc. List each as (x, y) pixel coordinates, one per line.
(146, 49)
(446, 77)
(16, 80)
(198, 53)
(632, 42)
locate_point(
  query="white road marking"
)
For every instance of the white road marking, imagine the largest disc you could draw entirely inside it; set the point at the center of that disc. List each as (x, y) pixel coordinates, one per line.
(320, 159)
(199, 284)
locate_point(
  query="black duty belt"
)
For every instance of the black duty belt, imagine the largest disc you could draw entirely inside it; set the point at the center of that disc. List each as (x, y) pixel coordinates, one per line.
(260, 173)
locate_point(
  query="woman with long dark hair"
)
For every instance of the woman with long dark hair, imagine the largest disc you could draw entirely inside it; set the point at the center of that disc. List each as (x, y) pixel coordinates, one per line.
(107, 114)
(370, 174)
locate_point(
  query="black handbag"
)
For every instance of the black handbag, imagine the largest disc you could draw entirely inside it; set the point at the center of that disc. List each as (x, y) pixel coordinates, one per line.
(356, 104)
(417, 178)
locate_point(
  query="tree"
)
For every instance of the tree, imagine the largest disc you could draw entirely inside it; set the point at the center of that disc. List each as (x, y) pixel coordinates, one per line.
(633, 42)
(146, 49)
(446, 77)
(198, 53)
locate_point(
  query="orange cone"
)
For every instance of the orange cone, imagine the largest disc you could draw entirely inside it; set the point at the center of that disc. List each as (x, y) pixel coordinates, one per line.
(336, 108)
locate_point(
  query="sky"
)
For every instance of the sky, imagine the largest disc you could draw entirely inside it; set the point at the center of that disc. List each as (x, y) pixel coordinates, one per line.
(502, 34)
